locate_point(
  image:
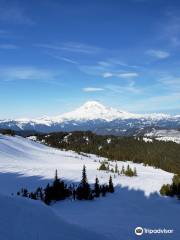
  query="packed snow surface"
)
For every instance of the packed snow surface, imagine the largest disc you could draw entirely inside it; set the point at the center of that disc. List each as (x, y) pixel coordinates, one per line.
(23, 219)
(136, 202)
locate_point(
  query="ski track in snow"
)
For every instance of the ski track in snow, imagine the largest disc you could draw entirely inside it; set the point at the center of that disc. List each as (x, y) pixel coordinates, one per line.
(24, 163)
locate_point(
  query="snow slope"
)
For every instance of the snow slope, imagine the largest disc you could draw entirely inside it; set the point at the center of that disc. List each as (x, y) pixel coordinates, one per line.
(23, 219)
(24, 163)
(19, 155)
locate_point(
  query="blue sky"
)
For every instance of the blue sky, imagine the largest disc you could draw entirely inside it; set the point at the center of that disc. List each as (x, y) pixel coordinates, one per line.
(58, 54)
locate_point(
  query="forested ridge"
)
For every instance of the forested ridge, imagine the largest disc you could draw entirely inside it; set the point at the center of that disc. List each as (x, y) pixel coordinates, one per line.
(164, 155)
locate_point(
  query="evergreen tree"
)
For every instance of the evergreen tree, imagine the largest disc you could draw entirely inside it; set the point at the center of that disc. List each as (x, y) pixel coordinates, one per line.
(39, 193)
(123, 170)
(103, 167)
(59, 190)
(24, 192)
(129, 172)
(165, 190)
(97, 187)
(47, 194)
(84, 181)
(172, 189)
(103, 190)
(116, 168)
(135, 172)
(83, 191)
(33, 196)
(56, 176)
(111, 186)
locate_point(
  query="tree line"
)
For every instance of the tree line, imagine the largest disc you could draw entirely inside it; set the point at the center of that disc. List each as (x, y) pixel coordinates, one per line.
(173, 189)
(58, 190)
(164, 155)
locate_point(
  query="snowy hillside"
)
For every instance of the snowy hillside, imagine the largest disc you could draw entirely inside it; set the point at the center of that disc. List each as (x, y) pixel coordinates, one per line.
(19, 155)
(24, 163)
(164, 135)
(23, 219)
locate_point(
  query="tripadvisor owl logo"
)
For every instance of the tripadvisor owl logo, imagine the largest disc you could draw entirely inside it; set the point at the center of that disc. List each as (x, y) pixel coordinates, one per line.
(139, 231)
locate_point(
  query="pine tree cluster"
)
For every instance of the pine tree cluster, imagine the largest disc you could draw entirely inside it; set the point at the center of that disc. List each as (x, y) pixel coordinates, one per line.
(129, 171)
(105, 166)
(172, 189)
(59, 190)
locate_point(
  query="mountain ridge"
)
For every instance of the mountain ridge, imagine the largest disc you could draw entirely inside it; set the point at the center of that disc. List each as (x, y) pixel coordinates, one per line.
(95, 110)
(95, 117)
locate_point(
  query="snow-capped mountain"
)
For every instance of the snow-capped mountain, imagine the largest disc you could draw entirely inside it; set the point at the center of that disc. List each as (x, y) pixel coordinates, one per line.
(93, 110)
(95, 117)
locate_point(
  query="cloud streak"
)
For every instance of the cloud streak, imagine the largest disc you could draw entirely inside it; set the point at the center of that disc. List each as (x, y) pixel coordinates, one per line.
(72, 47)
(93, 89)
(9, 74)
(125, 75)
(158, 54)
(130, 88)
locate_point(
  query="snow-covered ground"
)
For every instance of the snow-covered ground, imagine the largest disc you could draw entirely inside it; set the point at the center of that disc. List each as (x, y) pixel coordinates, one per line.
(167, 135)
(23, 219)
(136, 202)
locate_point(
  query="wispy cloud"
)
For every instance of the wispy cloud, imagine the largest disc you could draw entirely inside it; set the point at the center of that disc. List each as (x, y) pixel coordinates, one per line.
(126, 75)
(26, 73)
(92, 89)
(158, 53)
(61, 58)
(114, 62)
(128, 88)
(72, 47)
(8, 46)
(106, 69)
(68, 60)
(171, 29)
(170, 82)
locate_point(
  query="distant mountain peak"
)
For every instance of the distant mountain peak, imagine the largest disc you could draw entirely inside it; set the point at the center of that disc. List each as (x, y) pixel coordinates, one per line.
(90, 104)
(94, 116)
(93, 110)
